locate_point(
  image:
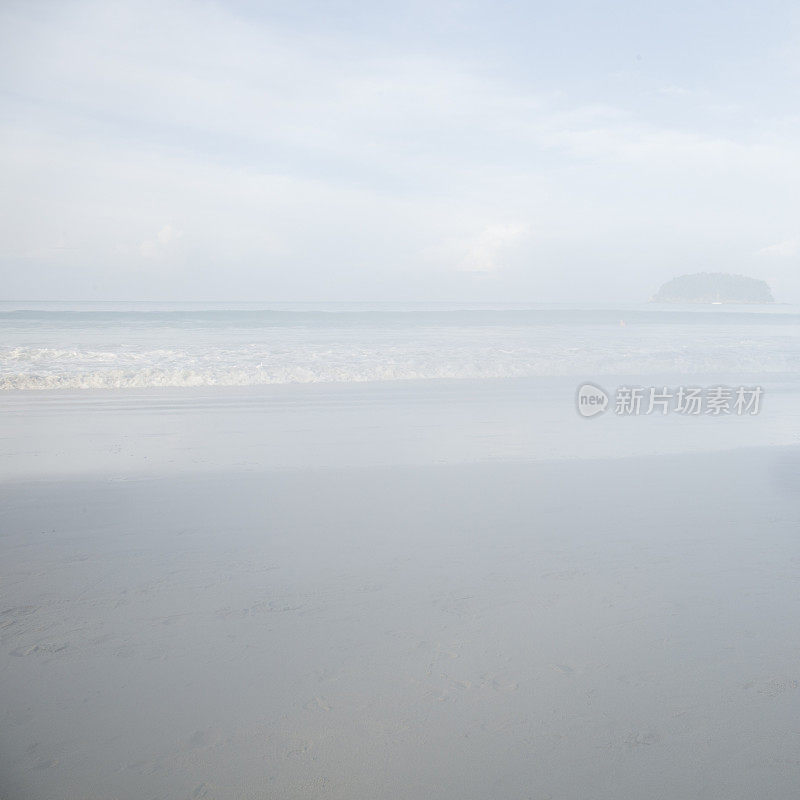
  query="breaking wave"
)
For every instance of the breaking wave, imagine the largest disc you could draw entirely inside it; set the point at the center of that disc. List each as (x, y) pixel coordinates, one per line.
(108, 348)
(48, 368)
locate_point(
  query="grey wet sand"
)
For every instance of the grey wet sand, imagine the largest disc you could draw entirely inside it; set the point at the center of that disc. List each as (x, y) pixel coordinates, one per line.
(616, 628)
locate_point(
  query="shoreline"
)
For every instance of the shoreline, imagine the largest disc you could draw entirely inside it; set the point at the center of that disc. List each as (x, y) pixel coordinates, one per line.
(124, 434)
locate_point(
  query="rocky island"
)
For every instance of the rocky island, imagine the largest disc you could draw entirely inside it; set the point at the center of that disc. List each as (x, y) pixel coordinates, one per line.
(714, 287)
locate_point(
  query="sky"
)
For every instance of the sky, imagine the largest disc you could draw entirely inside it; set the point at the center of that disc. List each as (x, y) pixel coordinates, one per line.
(518, 151)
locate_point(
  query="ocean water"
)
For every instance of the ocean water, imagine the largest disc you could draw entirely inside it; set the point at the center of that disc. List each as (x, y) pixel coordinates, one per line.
(48, 346)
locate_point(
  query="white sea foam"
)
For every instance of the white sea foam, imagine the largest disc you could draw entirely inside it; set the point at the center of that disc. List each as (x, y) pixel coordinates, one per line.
(130, 349)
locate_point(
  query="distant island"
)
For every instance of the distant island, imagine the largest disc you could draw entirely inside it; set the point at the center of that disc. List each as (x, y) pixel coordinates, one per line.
(714, 287)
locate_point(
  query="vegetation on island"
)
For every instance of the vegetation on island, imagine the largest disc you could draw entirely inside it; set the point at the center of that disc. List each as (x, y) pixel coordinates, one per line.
(714, 287)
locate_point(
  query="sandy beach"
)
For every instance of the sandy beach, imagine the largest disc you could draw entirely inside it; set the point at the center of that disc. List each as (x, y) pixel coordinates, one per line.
(399, 401)
(604, 627)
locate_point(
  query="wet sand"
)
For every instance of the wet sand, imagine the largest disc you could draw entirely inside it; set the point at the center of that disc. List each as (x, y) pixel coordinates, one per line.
(613, 628)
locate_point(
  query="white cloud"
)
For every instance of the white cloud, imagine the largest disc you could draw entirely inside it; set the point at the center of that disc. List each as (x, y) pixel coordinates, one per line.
(168, 234)
(675, 91)
(785, 249)
(485, 252)
(159, 244)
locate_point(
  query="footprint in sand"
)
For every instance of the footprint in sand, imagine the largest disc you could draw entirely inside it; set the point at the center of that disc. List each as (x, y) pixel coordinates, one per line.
(261, 607)
(12, 616)
(441, 696)
(43, 648)
(299, 749)
(317, 704)
(773, 687)
(504, 686)
(144, 767)
(640, 739)
(498, 683)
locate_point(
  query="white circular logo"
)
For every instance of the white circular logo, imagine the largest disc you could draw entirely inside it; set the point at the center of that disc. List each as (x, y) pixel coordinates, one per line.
(591, 400)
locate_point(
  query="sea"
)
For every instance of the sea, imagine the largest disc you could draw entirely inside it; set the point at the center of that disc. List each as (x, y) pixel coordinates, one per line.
(118, 346)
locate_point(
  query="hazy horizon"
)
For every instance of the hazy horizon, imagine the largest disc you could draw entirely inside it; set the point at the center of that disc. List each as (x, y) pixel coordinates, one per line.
(611, 303)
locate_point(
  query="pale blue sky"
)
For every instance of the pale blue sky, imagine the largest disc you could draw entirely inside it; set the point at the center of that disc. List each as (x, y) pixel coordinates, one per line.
(463, 150)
